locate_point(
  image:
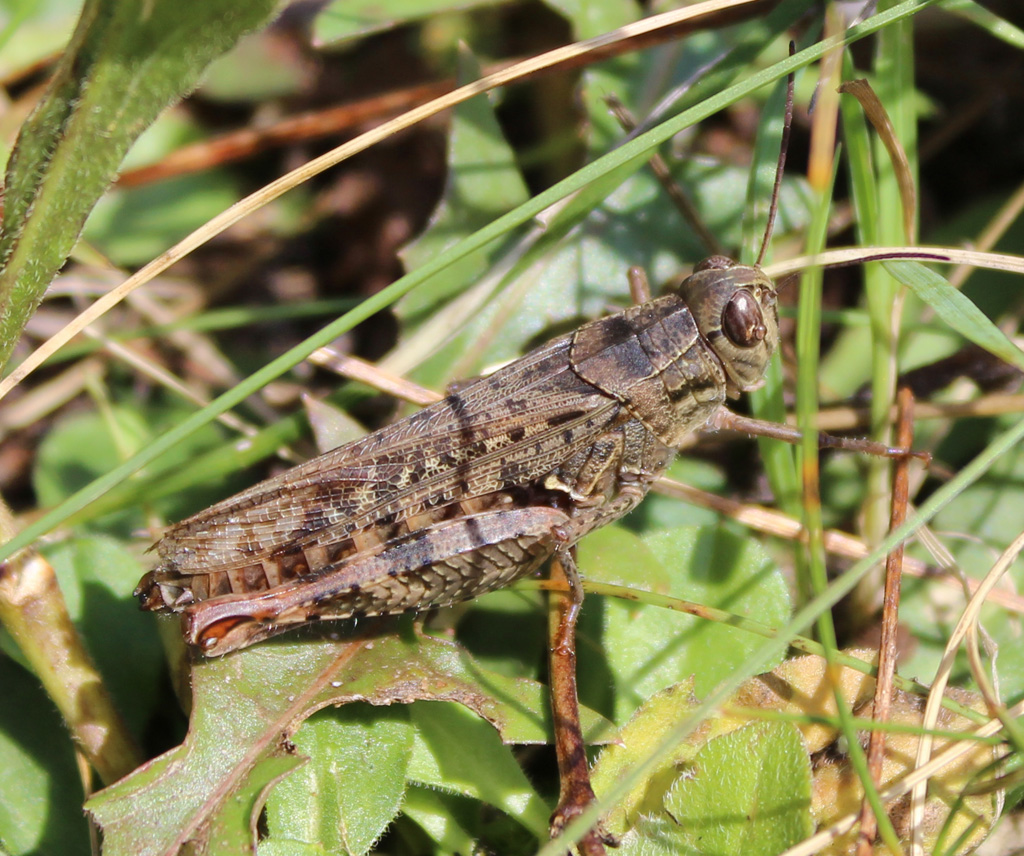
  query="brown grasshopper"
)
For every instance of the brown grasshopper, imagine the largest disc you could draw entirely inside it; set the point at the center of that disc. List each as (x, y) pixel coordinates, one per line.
(481, 488)
(486, 485)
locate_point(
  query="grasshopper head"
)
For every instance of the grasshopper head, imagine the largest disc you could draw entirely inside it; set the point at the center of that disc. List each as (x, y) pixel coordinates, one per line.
(734, 306)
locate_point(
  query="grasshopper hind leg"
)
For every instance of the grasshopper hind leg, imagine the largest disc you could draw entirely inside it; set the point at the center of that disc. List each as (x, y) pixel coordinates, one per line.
(439, 565)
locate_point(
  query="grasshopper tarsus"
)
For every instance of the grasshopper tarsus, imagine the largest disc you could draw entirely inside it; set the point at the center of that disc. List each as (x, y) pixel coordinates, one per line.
(870, 447)
(593, 843)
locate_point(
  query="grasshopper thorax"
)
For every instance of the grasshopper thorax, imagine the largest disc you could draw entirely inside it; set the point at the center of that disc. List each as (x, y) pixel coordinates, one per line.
(734, 307)
(673, 361)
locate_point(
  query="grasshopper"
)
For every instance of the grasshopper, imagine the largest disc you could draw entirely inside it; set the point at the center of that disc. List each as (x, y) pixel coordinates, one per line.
(485, 486)
(481, 488)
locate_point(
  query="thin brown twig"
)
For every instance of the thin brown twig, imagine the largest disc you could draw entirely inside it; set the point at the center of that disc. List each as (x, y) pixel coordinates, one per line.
(372, 375)
(890, 620)
(773, 522)
(244, 143)
(850, 418)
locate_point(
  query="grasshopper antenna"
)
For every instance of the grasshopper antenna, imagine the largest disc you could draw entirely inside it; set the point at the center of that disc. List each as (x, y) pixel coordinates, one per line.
(787, 126)
(680, 198)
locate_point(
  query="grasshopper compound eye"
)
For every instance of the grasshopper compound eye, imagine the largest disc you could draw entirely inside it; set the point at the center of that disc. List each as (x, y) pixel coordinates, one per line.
(743, 320)
(733, 306)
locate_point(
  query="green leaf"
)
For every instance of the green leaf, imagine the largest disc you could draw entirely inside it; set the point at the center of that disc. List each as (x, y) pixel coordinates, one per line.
(97, 575)
(133, 225)
(231, 826)
(81, 447)
(256, 71)
(649, 648)
(956, 310)
(246, 704)
(32, 30)
(665, 512)
(429, 811)
(483, 183)
(635, 743)
(715, 788)
(279, 847)
(458, 752)
(746, 792)
(126, 62)
(84, 443)
(611, 76)
(40, 798)
(343, 20)
(344, 799)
